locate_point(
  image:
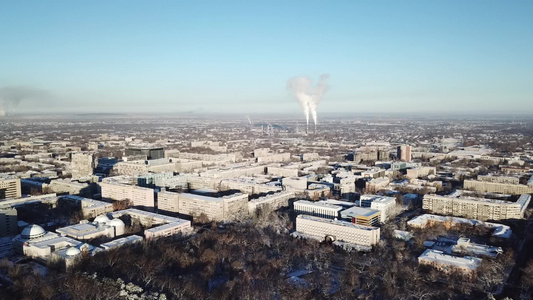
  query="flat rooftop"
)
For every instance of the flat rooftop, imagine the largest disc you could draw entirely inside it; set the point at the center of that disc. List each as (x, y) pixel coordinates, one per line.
(319, 204)
(337, 222)
(360, 211)
(440, 257)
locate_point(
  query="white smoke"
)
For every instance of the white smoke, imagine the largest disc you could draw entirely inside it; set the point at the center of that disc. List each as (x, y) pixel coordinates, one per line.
(308, 95)
(10, 97)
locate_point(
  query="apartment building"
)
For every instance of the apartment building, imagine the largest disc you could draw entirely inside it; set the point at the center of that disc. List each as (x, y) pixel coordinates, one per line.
(337, 230)
(476, 208)
(10, 188)
(497, 187)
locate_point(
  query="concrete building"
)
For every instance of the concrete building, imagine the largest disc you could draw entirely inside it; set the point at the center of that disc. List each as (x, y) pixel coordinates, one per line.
(153, 180)
(282, 171)
(66, 186)
(386, 205)
(420, 172)
(376, 184)
(447, 263)
(497, 187)
(499, 179)
(428, 220)
(149, 152)
(37, 243)
(270, 202)
(404, 153)
(128, 240)
(102, 226)
(10, 188)
(298, 183)
(476, 208)
(82, 165)
(337, 230)
(90, 207)
(217, 209)
(465, 246)
(249, 186)
(272, 158)
(8, 222)
(319, 209)
(140, 167)
(362, 216)
(161, 225)
(138, 196)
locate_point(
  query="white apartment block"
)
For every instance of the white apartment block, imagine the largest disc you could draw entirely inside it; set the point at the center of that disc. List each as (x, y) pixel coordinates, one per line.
(248, 186)
(217, 209)
(282, 171)
(499, 179)
(90, 207)
(337, 230)
(386, 205)
(139, 196)
(270, 202)
(447, 263)
(497, 187)
(319, 209)
(161, 225)
(476, 208)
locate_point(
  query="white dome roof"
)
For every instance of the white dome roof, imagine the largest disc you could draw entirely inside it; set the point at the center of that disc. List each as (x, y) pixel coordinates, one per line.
(72, 251)
(116, 223)
(32, 231)
(101, 219)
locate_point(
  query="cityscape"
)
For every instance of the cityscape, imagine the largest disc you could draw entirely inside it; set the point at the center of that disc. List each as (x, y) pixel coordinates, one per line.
(215, 173)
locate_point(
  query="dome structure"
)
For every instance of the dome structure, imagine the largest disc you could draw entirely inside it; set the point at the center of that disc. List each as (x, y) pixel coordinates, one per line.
(101, 219)
(72, 251)
(33, 232)
(116, 223)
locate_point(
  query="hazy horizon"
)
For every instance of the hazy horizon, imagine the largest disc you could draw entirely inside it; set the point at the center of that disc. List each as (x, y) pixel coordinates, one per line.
(235, 57)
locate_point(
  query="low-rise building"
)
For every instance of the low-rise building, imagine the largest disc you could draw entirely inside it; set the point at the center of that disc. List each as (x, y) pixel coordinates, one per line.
(448, 263)
(465, 246)
(270, 202)
(362, 216)
(428, 220)
(160, 225)
(319, 209)
(337, 230)
(90, 207)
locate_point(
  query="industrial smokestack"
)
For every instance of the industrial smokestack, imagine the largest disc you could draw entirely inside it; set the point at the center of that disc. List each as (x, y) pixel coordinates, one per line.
(308, 96)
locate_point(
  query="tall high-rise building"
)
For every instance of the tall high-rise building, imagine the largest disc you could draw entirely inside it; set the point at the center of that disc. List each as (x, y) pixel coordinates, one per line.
(404, 153)
(82, 165)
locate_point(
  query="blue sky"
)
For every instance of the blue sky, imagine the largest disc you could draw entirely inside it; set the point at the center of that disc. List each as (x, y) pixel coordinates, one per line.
(236, 56)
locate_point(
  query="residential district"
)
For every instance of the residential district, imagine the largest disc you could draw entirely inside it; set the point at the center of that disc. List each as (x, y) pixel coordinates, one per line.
(455, 193)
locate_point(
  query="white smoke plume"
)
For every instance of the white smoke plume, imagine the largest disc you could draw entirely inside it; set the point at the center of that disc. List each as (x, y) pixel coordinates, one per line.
(11, 96)
(308, 95)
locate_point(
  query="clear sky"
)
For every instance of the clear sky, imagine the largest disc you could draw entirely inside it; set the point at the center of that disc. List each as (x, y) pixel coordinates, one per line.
(236, 56)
